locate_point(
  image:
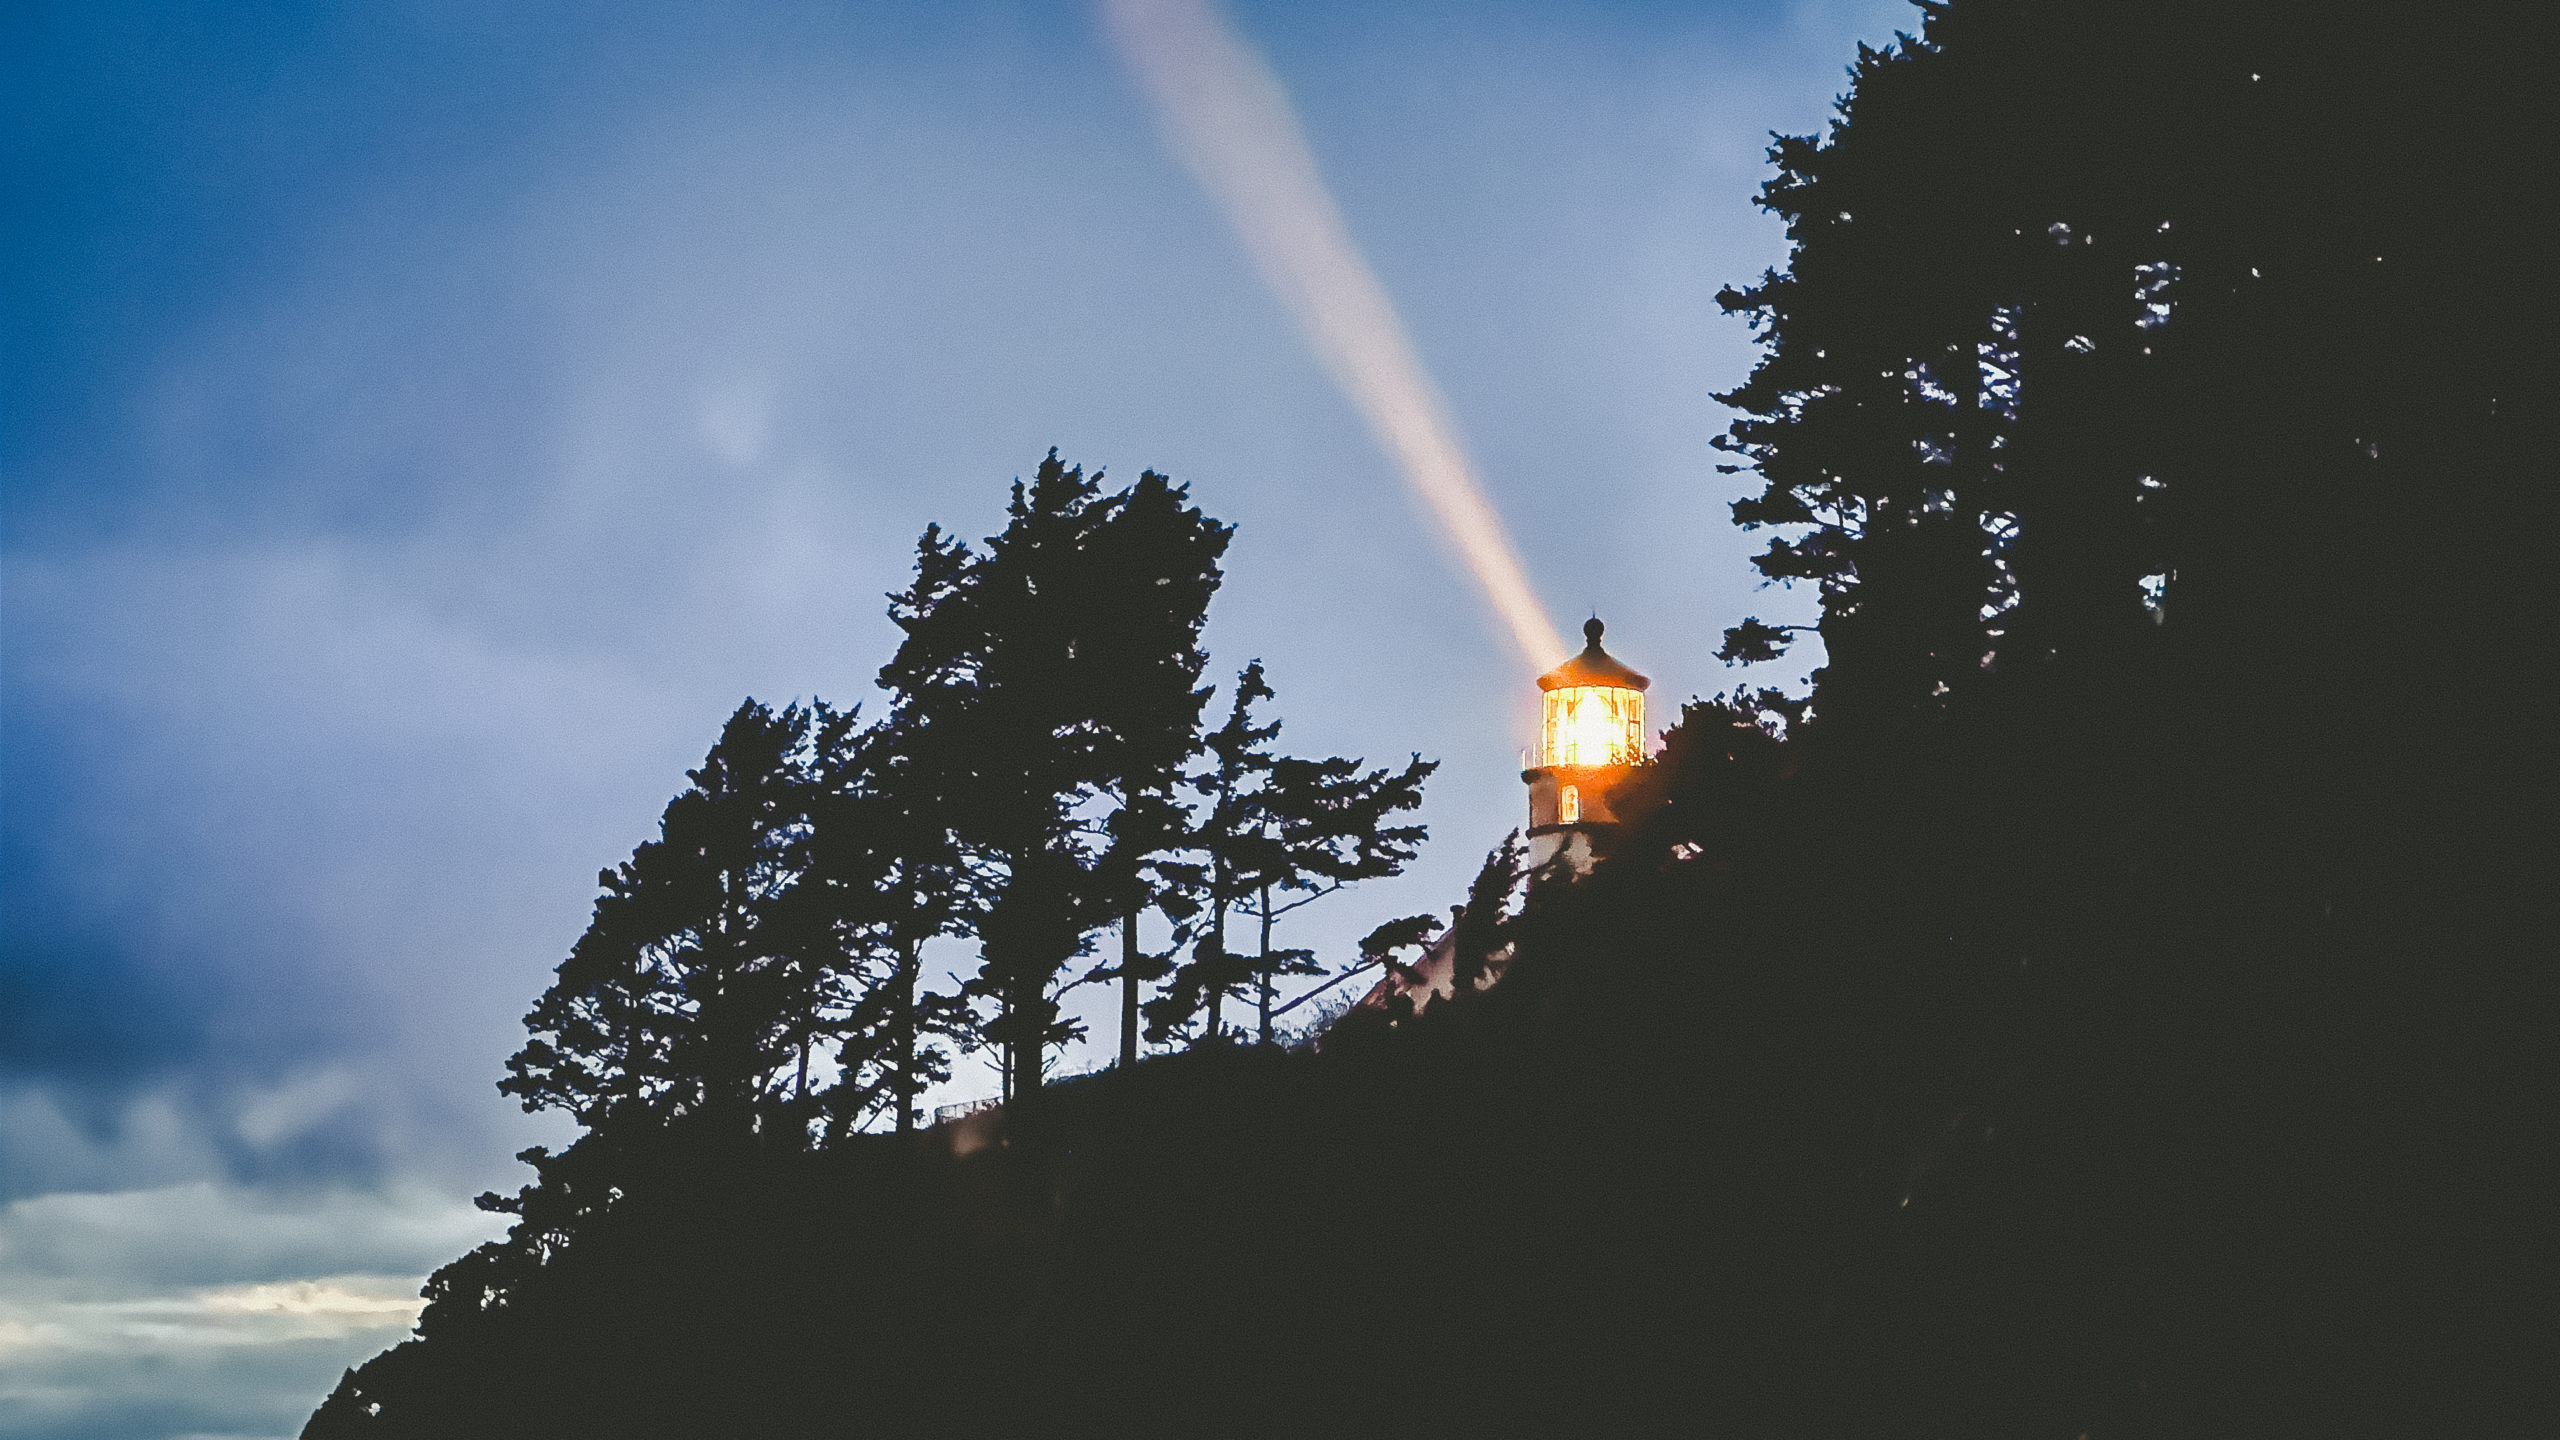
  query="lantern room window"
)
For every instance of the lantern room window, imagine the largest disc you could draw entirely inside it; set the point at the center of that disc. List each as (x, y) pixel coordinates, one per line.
(1593, 725)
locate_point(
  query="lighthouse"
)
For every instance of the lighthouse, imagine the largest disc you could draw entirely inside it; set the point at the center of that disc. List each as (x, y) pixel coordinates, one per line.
(1590, 739)
(1590, 733)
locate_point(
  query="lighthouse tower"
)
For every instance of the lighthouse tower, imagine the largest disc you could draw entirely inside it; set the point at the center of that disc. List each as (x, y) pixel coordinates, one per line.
(1590, 739)
(1591, 730)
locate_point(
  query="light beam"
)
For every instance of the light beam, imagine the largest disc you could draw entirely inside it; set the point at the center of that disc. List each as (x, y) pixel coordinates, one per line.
(1224, 113)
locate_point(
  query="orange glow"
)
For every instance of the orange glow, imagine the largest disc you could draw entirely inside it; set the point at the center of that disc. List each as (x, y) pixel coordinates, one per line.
(1594, 725)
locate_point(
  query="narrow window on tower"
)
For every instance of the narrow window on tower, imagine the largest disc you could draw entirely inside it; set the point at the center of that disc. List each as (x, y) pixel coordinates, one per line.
(1569, 806)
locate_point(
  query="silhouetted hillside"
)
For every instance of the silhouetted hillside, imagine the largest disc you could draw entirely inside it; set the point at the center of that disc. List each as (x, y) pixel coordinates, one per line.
(2115, 1007)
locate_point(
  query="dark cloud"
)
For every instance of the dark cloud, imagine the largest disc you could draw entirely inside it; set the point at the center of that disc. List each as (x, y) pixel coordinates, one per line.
(81, 1010)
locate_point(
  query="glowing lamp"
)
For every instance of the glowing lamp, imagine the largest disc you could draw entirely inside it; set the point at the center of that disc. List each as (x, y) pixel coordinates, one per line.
(1591, 729)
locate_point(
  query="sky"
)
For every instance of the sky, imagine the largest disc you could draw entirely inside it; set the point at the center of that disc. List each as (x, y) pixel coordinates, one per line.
(422, 423)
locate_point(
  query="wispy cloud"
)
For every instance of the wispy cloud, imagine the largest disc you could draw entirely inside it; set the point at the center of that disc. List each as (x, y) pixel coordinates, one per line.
(335, 1307)
(201, 1306)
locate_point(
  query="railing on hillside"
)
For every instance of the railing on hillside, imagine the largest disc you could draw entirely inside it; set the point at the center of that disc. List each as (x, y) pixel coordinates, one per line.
(1329, 984)
(962, 1110)
(949, 1114)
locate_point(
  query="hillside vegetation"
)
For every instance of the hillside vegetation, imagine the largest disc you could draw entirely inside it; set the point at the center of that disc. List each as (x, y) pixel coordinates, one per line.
(2113, 1004)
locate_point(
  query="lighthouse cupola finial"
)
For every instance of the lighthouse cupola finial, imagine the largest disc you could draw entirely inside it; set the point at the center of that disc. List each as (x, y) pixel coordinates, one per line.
(1592, 630)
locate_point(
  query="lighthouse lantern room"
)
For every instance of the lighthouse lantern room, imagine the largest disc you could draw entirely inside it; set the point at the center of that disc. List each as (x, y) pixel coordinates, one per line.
(1591, 732)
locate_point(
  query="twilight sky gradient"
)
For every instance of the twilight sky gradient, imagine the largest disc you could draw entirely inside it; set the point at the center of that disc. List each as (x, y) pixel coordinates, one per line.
(422, 422)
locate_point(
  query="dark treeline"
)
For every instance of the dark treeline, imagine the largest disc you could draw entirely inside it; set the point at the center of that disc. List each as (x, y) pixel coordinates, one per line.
(759, 968)
(2111, 1004)
(751, 999)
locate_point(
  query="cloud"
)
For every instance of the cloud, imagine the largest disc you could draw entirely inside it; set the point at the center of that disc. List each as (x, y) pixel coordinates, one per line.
(181, 1238)
(344, 1300)
(735, 421)
(336, 1307)
(293, 1108)
(414, 581)
(207, 1307)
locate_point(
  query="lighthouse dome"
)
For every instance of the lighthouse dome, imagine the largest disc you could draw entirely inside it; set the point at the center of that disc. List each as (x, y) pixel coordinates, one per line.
(1594, 666)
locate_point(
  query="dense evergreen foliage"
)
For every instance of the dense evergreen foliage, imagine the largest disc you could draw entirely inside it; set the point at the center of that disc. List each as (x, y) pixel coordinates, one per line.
(2112, 1004)
(1055, 670)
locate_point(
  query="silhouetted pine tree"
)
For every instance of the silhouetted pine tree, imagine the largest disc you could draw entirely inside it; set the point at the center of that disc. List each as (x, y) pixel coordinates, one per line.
(691, 994)
(1276, 827)
(1328, 823)
(1158, 561)
(1482, 924)
(1057, 666)
(1234, 844)
(883, 878)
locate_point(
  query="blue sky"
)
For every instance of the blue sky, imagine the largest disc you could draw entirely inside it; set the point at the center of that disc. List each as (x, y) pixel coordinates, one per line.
(421, 423)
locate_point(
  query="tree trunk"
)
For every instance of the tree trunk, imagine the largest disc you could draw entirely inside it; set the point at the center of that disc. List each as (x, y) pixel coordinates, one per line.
(902, 1039)
(1026, 1004)
(1262, 965)
(1218, 979)
(1027, 1052)
(1129, 987)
